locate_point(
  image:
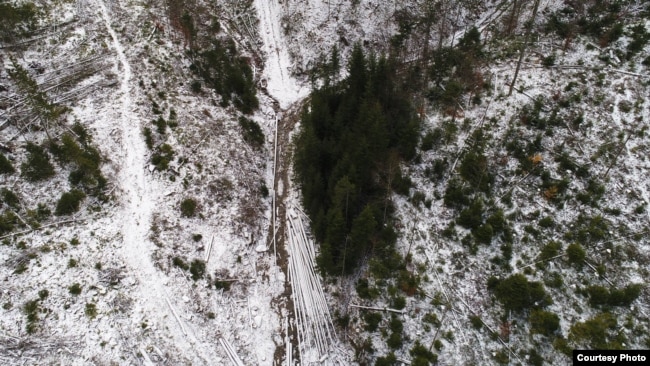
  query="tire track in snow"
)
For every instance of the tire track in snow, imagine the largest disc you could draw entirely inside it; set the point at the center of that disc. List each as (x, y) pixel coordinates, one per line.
(151, 297)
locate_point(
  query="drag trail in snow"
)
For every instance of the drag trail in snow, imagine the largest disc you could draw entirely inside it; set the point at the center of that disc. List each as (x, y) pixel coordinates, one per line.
(152, 301)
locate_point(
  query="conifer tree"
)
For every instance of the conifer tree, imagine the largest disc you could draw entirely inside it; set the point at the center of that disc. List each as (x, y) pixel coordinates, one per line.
(353, 130)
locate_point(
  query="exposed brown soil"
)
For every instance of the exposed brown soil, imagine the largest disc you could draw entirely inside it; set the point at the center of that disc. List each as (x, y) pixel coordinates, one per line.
(283, 304)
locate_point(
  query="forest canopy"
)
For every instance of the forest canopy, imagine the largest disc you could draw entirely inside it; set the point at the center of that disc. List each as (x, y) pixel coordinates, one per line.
(355, 132)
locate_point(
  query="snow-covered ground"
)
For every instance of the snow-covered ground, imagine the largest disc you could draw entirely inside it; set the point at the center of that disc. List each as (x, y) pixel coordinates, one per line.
(122, 253)
(281, 84)
(155, 302)
(153, 312)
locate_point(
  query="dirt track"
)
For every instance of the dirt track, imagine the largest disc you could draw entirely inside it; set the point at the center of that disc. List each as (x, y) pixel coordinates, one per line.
(283, 304)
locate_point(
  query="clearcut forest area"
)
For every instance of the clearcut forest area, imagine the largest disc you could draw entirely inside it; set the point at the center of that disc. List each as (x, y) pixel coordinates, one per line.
(329, 182)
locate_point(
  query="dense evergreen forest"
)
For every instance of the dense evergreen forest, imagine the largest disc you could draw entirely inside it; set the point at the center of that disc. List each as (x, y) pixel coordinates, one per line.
(355, 132)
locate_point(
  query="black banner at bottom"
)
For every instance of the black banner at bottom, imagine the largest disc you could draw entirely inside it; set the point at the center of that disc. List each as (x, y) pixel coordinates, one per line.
(611, 357)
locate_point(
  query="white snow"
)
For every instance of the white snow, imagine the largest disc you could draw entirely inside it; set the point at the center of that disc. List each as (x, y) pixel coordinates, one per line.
(280, 84)
(156, 314)
(153, 300)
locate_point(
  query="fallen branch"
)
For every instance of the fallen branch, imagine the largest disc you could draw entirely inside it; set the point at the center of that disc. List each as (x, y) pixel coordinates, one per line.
(596, 270)
(378, 309)
(65, 26)
(178, 319)
(38, 228)
(600, 249)
(25, 348)
(543, 260)
(231, 352)
(207, 255)
(231, 279)
(147, 360)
